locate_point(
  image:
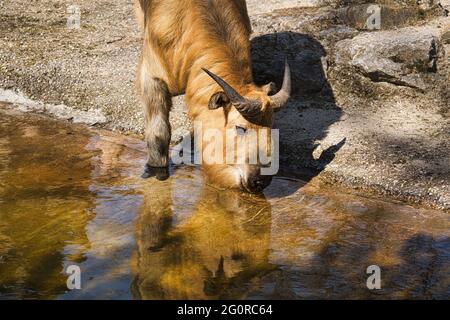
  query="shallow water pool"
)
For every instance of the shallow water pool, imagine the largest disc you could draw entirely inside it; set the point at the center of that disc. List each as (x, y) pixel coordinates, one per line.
(72, 196)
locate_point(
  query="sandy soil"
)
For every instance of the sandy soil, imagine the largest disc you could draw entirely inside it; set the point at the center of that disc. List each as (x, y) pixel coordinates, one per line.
(388, 145)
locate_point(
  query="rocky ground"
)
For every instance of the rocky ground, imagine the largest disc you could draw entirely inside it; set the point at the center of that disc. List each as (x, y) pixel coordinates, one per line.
(370, 107)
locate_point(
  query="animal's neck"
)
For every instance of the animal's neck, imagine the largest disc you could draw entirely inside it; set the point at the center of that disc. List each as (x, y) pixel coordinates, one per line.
(200, 86)
(222, 46)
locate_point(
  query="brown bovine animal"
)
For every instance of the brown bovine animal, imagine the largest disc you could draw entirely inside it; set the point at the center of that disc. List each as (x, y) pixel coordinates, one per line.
(202, 48)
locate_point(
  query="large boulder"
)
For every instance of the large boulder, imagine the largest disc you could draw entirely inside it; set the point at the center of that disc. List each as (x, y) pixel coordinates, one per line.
(406, 57)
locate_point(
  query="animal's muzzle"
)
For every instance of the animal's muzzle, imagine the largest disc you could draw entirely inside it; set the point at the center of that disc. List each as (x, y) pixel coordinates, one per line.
(255, 181)
(258, 183)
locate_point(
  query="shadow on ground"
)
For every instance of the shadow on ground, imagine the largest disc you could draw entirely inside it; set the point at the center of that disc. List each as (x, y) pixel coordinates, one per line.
(312, 109)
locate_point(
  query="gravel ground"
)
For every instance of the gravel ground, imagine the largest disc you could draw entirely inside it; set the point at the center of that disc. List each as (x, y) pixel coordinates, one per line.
(375, 136)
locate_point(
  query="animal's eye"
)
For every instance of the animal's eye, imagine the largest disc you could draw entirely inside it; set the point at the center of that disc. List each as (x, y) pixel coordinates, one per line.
(240, 130)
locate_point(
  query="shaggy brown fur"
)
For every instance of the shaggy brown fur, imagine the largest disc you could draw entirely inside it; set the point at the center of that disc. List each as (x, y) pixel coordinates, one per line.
(180, 38)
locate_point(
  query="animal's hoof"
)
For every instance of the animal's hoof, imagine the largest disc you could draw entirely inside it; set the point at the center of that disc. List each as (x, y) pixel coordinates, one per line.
(161, 173)
(146, 175)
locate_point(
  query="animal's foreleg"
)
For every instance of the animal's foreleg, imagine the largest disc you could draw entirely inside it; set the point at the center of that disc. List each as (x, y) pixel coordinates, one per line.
(157, 103)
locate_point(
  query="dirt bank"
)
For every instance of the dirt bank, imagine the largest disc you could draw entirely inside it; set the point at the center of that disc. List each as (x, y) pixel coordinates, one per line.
(370, 107)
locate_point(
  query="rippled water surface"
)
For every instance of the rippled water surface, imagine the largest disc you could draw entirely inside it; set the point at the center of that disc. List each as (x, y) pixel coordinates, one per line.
(73, 196)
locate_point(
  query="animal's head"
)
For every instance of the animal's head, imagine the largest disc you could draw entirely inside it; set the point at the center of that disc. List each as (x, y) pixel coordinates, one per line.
(246, 134)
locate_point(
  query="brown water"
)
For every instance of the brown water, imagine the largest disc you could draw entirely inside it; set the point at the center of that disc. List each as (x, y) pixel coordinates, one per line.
(73, 196)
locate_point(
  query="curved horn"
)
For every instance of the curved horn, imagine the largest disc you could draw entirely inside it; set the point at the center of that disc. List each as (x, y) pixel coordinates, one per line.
(250, 109)
(281, 98)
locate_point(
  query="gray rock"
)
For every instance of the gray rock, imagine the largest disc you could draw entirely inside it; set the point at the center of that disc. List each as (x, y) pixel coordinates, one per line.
(264, 6)
(379, 17)
(400, 57)
(427, 4)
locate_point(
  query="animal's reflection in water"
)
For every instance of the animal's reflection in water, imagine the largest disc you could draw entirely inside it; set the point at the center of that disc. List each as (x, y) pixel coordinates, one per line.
(218, 250)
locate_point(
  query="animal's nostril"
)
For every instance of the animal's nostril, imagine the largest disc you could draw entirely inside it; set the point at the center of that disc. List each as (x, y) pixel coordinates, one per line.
(259, 183)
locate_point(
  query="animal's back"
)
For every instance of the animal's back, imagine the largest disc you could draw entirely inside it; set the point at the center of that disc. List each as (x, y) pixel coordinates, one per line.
(184, 32)
(154, 7)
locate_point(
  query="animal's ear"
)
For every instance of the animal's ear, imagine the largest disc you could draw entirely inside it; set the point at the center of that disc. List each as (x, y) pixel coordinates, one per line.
(270, 88)
(218, 100)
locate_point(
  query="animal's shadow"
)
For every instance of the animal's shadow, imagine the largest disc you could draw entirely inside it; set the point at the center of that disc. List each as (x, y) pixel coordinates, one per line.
(312, 108)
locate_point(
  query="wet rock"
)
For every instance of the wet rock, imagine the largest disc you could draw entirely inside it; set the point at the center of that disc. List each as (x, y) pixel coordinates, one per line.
(400, 57)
